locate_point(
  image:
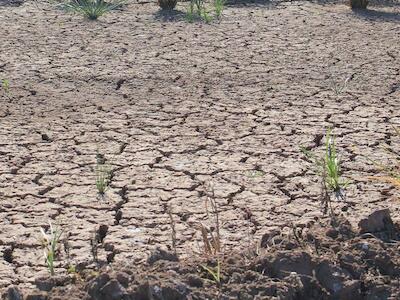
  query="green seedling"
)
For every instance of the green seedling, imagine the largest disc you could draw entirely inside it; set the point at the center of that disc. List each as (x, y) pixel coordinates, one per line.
(91, 9)
(50, 244)
(71, 269)
(328, 167)
(190, 14)
(219, 6)
(214, 272)
(103, 178)
(205, 15)
(5, 85)
(197, 9)
(199, 4)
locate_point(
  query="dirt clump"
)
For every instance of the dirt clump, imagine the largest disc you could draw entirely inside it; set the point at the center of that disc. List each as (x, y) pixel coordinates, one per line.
(307, 263)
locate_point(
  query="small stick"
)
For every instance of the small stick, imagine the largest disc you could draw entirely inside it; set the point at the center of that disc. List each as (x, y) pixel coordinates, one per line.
(173, 228)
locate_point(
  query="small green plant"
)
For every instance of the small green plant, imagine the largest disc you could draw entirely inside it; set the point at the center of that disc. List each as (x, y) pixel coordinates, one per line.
(5, 85)
(214, 272)
(328, 167)
(190, 14)
(71, 269)
(198, 9)
(103, 173)
(91, 9)
(219, 6)
(103, 178)
(206, 16)
(50, 244)
(167, 4)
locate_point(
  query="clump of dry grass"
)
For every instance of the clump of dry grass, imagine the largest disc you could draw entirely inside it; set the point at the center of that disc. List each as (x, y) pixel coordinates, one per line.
(211, 240)
(50, 243)
(391, 171)
(212, 246)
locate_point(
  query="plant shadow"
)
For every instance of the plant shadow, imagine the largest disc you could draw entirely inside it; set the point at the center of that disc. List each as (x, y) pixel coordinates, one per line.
(377, 15)
(169, 15)
(244, 3)
(13, 3)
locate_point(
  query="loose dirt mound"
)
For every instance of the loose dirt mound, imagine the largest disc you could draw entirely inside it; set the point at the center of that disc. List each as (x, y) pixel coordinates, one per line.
(323, 260)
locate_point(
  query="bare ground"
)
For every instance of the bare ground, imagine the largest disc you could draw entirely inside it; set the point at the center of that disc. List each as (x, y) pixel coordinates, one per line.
(173, 105)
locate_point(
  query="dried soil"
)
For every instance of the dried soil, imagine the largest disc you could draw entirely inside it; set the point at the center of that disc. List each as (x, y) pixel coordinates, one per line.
(172, 105)
(319, 261)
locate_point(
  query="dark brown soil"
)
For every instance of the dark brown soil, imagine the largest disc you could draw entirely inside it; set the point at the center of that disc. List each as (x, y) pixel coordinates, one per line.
(174, 105)
(321, 260)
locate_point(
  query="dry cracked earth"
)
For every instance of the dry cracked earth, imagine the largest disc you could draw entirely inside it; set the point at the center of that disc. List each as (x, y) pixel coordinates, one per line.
(174, 106)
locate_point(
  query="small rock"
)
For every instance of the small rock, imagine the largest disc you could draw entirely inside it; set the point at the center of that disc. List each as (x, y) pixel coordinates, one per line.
(290, 261)
(268, 236)
(112, 290)
(45, 137)
(13, 294)
(250, 276)
(331, 277)
(160, 254)
(379, 220)
(351, 290)
(94, 286)
(109, 247)
(332, 233)
(195, 281)
(40, 296)
(47, 283)
(123, 279)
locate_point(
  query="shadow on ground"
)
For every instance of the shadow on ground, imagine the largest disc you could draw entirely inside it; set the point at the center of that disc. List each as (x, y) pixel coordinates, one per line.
(169, 15)
(377, 15)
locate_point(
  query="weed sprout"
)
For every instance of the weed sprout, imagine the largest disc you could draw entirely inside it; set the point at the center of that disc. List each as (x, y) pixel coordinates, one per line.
(103, 176)
(50, 243)
(5, 85)
(197, 8)
(215, 272)
(328, 167)
(91, 9)
(219, 7)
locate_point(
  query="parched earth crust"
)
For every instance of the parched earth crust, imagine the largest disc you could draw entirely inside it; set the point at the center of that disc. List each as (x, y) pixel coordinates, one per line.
(174, 106)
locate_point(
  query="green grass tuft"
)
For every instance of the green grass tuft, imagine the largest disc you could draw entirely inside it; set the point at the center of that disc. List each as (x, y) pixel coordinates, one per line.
(91, 9)
(328, 167)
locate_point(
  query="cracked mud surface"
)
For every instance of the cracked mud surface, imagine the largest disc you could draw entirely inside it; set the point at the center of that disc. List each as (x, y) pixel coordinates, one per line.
(172, 105)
